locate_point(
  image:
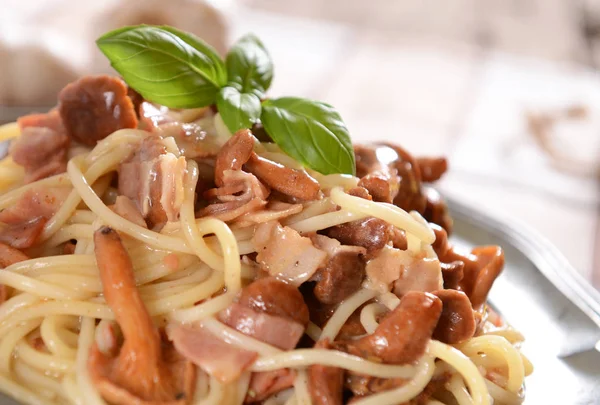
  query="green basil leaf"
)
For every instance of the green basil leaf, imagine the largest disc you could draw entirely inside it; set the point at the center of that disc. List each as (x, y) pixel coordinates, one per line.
(238, 110)
(311, 132)
(165, 65)
(249, 65)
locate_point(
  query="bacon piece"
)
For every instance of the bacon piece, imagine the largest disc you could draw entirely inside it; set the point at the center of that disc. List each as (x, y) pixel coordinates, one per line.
(283, 253)
(403, 334)
(264, 384)
(423, 274)
(9, 256)
(405, 271)
(94, 107)
(22, 223)
(291, 182)
(275, 330)
(216, 357)
(22, 235)
(153, 179)
(126, 208)
(42, 147)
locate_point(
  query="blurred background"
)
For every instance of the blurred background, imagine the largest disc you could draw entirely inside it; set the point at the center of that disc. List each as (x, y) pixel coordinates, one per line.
(509, 90)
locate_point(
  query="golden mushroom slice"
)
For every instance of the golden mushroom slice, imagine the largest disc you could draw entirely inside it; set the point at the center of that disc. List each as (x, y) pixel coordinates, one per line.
(146, 370)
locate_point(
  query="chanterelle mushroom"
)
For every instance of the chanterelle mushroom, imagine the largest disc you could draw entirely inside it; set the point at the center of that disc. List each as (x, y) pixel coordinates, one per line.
(146, 371)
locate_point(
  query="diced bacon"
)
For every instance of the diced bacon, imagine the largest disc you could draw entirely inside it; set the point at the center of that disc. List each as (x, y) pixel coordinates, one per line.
(22, 223)
(283, 253)
(423, 274)
(22, 235)
(193, 141)
(216, 357)
(405, 270)
(93, 107)
(9, 256)
(49, 120)
(42, 147)
(153, 178)
(152, 116)
(127, 209)
(274, 330)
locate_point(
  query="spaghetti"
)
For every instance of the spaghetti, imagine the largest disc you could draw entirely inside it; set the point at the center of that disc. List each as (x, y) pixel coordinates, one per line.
(193, 270)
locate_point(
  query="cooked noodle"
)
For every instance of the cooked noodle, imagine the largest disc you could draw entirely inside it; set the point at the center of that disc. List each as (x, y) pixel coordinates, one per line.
(56, 300)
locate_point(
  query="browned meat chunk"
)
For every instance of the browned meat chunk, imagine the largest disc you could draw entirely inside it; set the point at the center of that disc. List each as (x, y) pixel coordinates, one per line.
(457, 323)
(403, 334)
(94, 107)
(291, 182)
(275, 297)
(42, 147)
(325, 383)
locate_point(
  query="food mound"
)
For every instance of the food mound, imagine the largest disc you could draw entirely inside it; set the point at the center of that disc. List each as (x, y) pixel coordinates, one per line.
(177, 237)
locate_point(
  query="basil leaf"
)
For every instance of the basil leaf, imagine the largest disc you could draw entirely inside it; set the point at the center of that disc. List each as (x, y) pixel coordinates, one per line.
(238, 110)
(311, 132)
(165, 65)
(249, 65)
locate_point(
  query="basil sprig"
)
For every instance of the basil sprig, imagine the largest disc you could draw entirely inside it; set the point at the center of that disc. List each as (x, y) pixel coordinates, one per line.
(310, 131)
(179, 70)
(165, 65)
